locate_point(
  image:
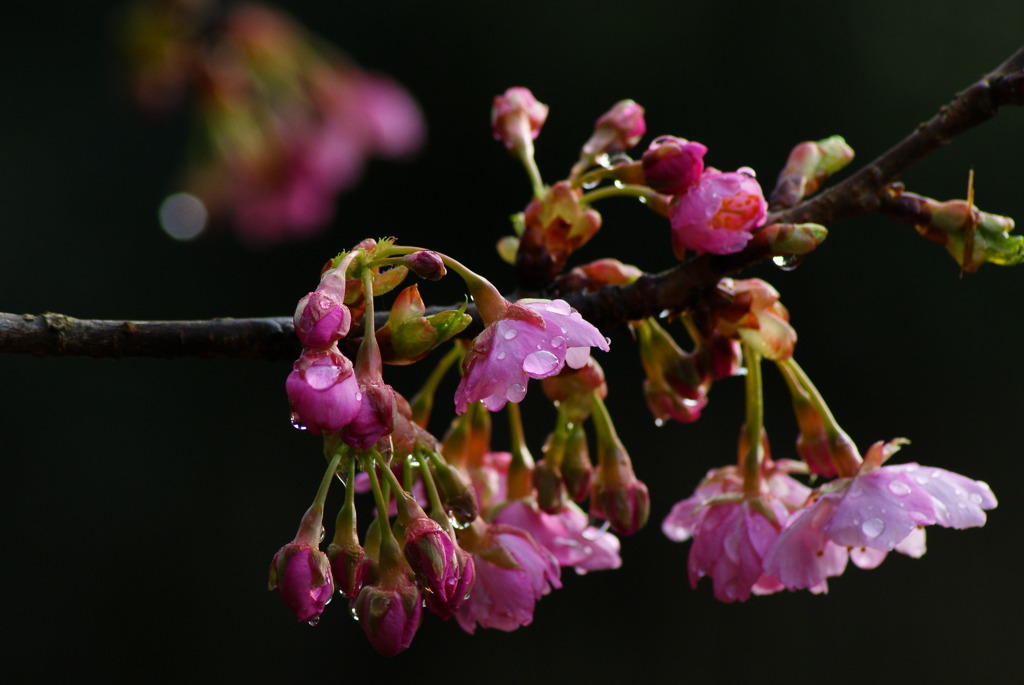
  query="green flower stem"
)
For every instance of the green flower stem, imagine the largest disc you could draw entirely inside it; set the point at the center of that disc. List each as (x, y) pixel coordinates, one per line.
(604, 428)
(490, 303)
(437, 510)
(368, 359)
(423, 402)
(642, 192)
(754, 424)
(401, 493)
(520, 482)
(345, 525)
(311, 527)
(691, 329)
(529, 163)
(384, 528)
(800, 384)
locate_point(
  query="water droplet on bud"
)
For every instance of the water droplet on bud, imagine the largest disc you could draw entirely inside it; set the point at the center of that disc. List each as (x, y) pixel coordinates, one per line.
(787, 262)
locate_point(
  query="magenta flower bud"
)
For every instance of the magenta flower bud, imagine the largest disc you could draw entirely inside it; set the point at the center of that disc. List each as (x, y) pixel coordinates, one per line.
(517, 117)
(721, 356)
(323, 391)
(718, 214)
(618, 129)
(426, 264)
(348, 566)
(431, 555)
(375, 418)
(666, 403)
(321, 319)
(673, 165)
(389, 616)
(302, 575)
(467, 578)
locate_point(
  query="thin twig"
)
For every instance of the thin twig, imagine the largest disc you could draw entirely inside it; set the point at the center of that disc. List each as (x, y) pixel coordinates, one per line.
(273, 338)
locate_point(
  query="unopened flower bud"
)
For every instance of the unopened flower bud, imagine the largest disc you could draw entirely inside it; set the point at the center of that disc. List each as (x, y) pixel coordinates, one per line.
(665, 403)
(456, 493)
(971, 236)
(616, 493)
(720, 357)
(409, 336)
(577, 470)
(792, 239)
(809, 165)
(551, 493)
(626, 505)
(445, 609)
(517, 117)
(617, 130)
(571, 389)
(749, 310)
(323, 391)
(426, 264)
(375, 418)
(302, 575)
(389, 614)
(321, 319)
(348, 564)
(608, 271)
(431, 555)
(673, 165)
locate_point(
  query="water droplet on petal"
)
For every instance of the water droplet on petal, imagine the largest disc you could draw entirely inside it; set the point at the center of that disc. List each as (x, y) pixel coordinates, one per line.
(976, 498)
(516, 392)
(559, 307)
(315, 620)
(558, 341)
(296, 423)
(540, 364)
(922, 480)
(509, 333)
(899, 488)
(659, 422)
(500, 356)
(872, 527)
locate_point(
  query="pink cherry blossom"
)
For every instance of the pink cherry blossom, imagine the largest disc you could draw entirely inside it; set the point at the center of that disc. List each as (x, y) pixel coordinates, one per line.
(881, 508)
(534, 339)
(718, 213)
(731, 533)
(505, 594)
(568, 535)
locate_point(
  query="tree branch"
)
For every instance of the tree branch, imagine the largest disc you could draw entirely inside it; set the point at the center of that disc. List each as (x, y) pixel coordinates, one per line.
(610, 308)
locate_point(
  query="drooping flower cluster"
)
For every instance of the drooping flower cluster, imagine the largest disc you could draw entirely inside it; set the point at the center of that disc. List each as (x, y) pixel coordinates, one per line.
(464, 531)
(285, 124)
(491, 569)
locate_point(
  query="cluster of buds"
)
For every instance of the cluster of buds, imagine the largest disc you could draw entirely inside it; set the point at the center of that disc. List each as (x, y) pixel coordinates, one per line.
(468, 532)
(285, 123)
(487, 551)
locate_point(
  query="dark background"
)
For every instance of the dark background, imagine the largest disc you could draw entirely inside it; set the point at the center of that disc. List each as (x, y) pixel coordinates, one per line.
(142, 500)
